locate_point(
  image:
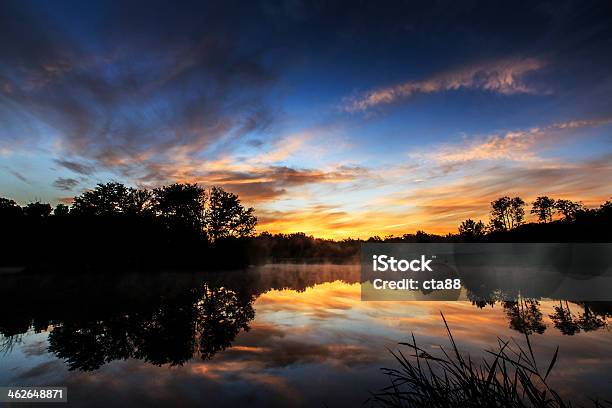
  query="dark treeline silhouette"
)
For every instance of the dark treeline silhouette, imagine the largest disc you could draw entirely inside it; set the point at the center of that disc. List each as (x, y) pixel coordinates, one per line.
(114, 227)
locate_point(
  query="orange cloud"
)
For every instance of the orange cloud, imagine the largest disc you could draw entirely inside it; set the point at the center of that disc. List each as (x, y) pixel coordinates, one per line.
(441, 208)
(441, 204)
(335, 223)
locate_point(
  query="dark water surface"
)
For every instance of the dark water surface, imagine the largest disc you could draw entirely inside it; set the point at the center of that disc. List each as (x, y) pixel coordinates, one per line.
(273, 336)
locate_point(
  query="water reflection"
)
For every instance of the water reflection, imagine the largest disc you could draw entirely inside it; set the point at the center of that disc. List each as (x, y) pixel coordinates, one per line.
(200, 321)
(169, 319)
(265, 337)
(525, 315)
(161, 319)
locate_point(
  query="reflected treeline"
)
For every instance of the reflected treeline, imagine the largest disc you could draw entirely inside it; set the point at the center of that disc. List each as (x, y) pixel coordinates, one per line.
(522, 311)
(570, 318)
(163, 319)
(170, 318)
(98, 322)
(588, 320)
(201, 321)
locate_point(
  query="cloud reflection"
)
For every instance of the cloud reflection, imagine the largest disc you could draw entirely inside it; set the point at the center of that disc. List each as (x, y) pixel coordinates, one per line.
(318, 324)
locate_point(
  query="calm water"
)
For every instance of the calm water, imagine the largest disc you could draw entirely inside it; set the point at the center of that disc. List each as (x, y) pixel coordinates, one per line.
(274, 336)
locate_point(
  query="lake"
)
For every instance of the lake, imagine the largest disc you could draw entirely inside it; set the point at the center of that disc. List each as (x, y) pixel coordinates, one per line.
(277, 335)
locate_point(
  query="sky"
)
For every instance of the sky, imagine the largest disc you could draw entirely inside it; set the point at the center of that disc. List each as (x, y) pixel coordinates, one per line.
(337, 119)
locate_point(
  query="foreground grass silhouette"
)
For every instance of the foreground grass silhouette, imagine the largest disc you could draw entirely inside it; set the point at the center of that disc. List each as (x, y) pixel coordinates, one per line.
(509, 378)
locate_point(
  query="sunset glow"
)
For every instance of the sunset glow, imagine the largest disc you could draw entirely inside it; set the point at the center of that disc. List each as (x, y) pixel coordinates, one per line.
(365, 126)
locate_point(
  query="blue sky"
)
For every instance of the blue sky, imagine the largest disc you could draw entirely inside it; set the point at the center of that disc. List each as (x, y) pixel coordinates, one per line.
(337, 119)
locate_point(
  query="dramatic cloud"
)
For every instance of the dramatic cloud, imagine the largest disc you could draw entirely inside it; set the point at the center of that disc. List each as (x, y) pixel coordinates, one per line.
(504, 77)
(244, 95)
(185, 87)
(253, 183)
(452, 182)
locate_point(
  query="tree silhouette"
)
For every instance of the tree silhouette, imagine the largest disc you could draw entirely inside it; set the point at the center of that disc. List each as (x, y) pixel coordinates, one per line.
(226, 217)
(543, 207)
(567, 209)
(61, 210)
(105, 199)
(470, 229)
(37, 210)
(507, 213)
(570, 324)
(605, 209)
(181, 204)
(182, 225)
(138, 202)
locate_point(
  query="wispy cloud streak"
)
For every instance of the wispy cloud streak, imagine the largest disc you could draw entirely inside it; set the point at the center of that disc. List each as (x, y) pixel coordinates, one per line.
(517, 145)
(503, 77)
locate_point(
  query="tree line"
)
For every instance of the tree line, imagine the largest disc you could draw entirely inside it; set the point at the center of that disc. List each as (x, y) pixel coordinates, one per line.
(187, 225)
(115, 227)
(214, 212)
(508, 213)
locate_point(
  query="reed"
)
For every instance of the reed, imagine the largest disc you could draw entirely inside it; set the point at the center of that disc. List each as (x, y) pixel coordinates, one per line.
(506, 377)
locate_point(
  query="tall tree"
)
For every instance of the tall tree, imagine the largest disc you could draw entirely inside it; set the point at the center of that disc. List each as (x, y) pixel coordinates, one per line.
(181, 204)
(567, 209)
(105, 199)
(507, 213)
(61, 210)
(543, 207)
(226, 217)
